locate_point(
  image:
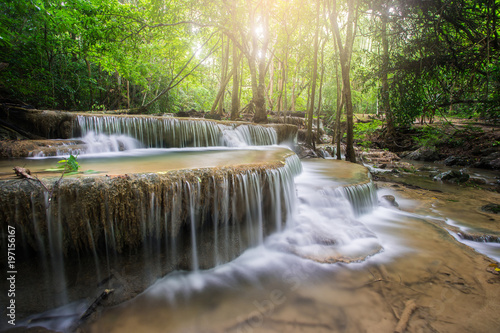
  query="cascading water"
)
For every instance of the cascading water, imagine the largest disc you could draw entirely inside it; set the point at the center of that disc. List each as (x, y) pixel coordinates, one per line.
(363, 197)
(247, 135)
(154, 132)
(321, 227)
(163, 215)
(102, 143)
(181, 220)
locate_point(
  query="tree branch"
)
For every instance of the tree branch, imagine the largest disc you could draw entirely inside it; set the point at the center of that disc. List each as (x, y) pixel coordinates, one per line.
(171, 84)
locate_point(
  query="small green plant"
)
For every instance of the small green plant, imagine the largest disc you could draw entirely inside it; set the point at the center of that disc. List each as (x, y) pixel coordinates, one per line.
(98, 107)
(69, 166)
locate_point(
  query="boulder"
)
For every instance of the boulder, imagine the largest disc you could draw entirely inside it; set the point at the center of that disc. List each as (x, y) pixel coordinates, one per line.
(491, 161)
(388, 201)
(453, 176)
(424, 154)
(305, 151)
(454, 160)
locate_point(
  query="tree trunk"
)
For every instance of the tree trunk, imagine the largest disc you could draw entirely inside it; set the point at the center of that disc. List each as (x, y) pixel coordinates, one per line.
(260, 115)
(345, 52)
(224, 76)
(338, 133)
(338, 127)
(235, 99)
(222, 89)
(270, 88)
(384, 72)
(310, 137)
(346, 84)
(320, 97)
(279, 103)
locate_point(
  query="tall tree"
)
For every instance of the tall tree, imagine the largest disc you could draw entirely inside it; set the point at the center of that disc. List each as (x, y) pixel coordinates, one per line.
(345, 54)
(235, 98)
(310, 113)
(384, 70)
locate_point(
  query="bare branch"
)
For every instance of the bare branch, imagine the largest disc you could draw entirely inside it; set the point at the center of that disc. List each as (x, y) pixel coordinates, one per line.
(171, 84)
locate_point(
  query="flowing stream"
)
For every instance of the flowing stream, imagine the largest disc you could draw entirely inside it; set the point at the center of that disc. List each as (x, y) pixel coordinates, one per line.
(308, 227)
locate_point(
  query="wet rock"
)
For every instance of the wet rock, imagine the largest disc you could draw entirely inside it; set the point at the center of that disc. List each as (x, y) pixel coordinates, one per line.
(195, 114)
(304, 151)
(182, 114)
(454, 160)
(491, 208)
(477, 181)
(491, 161)
(38, 124)
(213, 116)
(454, 176)
(424, 154)
(389, 201)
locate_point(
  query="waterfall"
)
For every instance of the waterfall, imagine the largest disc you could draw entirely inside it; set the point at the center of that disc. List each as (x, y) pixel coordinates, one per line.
(363, 197)
(102, 143)
(168, 132)
(247, 135)
(195, 219)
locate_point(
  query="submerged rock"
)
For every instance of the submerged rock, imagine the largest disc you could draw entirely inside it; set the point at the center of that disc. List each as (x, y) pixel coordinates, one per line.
(491, 208)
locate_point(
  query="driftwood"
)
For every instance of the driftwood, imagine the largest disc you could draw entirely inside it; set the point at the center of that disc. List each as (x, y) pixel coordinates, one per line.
(26, 174)
(92, 308)
(23, 173)
(410, 306)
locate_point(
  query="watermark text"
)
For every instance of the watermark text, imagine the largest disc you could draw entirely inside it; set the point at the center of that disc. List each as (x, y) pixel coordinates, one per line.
(11, 275)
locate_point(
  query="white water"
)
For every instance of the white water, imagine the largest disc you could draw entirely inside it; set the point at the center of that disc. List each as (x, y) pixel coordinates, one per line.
(247, 135)
(102, 143)
(321, 223)
(168, 132)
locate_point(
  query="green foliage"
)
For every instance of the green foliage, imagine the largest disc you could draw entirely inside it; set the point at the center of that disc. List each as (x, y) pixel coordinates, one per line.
(69, 166)
(429, 136)
(362, 130)
(108, 54)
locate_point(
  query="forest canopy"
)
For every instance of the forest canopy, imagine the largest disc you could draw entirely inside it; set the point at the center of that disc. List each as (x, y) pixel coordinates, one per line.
(404, 59)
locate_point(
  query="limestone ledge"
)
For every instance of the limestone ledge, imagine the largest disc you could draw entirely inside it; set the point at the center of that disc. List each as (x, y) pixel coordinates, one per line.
(88, 211)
